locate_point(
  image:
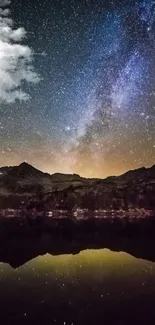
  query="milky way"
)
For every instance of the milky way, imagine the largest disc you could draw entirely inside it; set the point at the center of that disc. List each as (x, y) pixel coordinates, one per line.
(93, 111)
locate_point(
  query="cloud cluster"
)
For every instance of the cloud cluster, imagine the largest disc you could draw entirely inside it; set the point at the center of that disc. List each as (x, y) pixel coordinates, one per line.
(16, 60)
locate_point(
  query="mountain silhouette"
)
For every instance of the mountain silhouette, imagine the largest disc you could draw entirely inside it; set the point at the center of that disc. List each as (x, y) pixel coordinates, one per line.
(134, 189)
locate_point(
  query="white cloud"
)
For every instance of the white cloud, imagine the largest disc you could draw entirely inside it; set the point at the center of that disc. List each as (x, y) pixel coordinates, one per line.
(15, 59)
(4, 3)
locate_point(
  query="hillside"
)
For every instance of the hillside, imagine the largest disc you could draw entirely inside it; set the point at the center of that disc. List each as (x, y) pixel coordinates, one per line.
(25, 179)
(27, 185)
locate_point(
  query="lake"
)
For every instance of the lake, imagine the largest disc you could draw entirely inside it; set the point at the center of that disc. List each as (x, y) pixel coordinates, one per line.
(91, 287)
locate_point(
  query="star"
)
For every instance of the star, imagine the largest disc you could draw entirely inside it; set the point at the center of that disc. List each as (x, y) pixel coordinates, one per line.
(87, 105)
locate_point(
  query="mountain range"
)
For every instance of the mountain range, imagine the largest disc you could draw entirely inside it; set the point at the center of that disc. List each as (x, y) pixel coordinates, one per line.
(25, 183)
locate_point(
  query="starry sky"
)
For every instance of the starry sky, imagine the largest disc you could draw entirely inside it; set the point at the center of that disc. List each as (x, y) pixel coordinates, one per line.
(92, 109)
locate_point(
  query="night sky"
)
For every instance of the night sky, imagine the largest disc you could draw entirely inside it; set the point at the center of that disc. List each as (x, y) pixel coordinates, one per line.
(91, 86)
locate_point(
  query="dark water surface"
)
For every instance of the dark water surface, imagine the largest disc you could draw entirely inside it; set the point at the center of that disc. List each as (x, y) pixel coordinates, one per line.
(91, 287)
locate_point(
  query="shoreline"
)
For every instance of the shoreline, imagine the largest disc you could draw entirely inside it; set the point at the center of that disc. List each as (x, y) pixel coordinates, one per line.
(92, 229)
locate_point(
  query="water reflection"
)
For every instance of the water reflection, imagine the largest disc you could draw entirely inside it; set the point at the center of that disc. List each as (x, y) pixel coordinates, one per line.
(87, 288)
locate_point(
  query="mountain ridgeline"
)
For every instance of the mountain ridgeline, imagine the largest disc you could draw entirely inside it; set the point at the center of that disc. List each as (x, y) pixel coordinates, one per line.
(27, 187)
